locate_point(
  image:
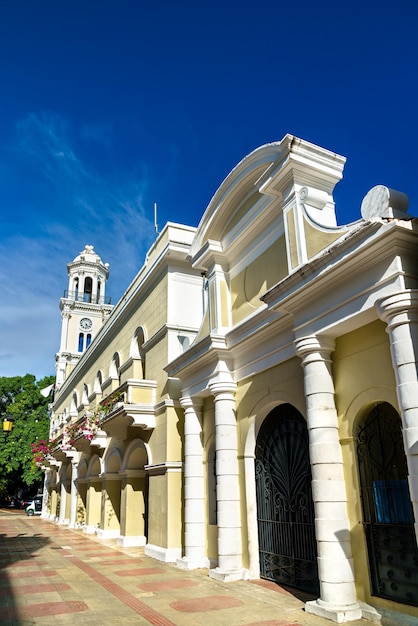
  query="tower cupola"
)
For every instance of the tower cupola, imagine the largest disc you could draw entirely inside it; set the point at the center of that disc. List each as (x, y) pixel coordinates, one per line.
(84, 309)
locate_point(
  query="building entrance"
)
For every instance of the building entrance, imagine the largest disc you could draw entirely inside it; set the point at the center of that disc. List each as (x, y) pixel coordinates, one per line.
(387, 509)
(285, 512)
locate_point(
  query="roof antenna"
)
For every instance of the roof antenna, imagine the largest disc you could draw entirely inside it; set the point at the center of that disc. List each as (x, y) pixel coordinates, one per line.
(155, 218)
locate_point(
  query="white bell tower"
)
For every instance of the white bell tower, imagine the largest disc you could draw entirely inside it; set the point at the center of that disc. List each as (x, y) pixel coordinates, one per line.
(84, 309)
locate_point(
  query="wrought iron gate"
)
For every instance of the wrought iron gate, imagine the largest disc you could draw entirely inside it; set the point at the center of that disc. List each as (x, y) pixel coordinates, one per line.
(387, 509)
(285, 514)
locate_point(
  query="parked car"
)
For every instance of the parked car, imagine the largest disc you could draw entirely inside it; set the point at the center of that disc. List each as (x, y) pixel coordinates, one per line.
(35, 507)
(25, 502)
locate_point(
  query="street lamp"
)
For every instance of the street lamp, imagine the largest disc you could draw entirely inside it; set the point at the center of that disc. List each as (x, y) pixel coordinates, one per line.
(7, 424)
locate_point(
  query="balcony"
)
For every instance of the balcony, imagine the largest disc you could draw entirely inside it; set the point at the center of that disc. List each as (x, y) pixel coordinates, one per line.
(89, 298)
(132, 404)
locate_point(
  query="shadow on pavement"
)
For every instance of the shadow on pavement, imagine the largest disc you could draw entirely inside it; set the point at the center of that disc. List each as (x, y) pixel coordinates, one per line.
(14, 549)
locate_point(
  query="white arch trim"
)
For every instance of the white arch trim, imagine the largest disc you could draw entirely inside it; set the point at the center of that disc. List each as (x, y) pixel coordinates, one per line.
(132, 447)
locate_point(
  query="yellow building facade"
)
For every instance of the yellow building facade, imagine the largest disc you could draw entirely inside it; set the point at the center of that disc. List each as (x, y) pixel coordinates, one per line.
(250, 406)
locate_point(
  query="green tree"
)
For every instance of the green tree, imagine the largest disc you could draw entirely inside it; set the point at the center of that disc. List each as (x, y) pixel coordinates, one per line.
(22, 401)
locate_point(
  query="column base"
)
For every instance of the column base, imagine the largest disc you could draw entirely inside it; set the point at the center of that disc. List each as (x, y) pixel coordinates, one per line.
(227, 576)
(193, 563)
(89, 530)
(373, 615)
(107, 534)
(131, 541)
(338, 614)
(167, 555)
(75, 525)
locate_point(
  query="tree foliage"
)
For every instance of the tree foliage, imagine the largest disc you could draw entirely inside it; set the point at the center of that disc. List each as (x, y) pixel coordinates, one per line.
(22, 401)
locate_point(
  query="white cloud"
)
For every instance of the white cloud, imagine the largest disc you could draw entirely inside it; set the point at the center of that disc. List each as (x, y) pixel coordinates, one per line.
(80, 207)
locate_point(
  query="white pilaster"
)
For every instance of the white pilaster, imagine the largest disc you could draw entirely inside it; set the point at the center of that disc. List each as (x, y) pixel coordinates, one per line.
(219, 305)
(63, 505)
(338, 600)
(400, 312)
(227, 485)
(74, 492)
(194, 488)
(65, 317)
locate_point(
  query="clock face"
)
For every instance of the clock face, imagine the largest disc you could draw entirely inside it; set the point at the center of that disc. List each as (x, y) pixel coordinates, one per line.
(85, 323)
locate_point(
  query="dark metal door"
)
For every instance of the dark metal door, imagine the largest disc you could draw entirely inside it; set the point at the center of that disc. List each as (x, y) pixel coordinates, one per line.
(387, 508)
(285, 513)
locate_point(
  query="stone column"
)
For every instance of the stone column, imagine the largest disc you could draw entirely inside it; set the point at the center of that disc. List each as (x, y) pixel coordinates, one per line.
(74, 492)
(63, 504)
(338, 600)
(400, 312)
(45, 494)
(194, 488)
(227, 485)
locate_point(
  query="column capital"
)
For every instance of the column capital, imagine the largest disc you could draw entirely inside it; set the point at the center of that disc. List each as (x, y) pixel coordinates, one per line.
(399, 308)
(187, 402)
(314, 348)
(223, 387)
(66, 311)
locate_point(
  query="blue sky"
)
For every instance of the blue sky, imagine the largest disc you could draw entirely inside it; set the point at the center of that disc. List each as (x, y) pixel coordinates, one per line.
(109, 106)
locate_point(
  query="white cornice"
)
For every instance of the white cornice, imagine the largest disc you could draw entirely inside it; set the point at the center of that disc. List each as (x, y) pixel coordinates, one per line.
(342, 283)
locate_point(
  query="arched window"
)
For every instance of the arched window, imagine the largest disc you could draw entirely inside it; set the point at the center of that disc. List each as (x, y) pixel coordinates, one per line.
(88, 289)
(137, 347)
(76, 289)
(114, 366)
(88, 340)
(80, 342)
(98, 382)
(99, 289)
(387, 510)
(85, 396)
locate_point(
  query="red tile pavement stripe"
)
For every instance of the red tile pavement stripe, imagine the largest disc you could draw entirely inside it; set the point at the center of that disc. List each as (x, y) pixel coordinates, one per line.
(209, 603)
(149, 571)
(101, 555)
(131, 560)
(273, 622)
(30, 611)
(90, 551)
(269, 584)
(90, 548)
(167, 585)
(26, 563)
(50, 608)
(23, 589)
(30, 574)
(133, 603)
(129, 572)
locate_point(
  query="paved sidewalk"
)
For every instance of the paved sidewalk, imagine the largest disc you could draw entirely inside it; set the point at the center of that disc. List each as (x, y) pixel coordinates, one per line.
(53, 575)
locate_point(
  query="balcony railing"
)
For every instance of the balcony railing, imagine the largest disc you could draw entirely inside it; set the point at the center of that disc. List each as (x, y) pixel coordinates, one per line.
(90, 298)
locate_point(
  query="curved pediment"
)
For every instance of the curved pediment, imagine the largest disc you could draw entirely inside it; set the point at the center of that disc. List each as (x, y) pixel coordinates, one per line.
(291, 181)
(230, 201)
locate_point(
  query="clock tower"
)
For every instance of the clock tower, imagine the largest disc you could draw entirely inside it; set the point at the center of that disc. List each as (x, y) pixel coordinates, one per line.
(84, 309)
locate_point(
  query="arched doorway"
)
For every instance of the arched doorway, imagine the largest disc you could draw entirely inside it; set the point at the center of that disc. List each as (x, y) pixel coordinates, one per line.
(387, 509)
(285, 513)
